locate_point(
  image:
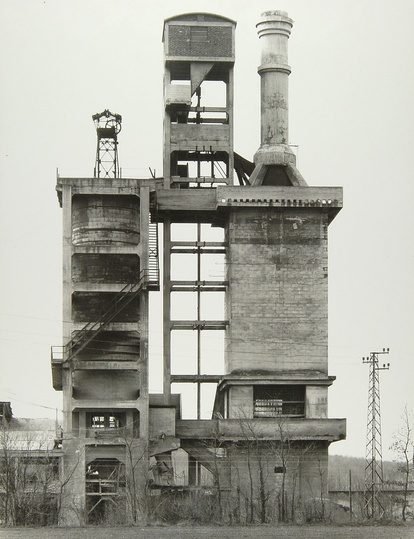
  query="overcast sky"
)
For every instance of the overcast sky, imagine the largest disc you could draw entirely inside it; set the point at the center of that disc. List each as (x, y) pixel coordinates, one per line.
(351, 114)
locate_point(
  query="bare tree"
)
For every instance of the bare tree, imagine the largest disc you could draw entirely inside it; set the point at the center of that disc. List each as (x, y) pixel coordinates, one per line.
(136, 478)
(403, 446)
(264, 461)
(31, 479)
(316, 508)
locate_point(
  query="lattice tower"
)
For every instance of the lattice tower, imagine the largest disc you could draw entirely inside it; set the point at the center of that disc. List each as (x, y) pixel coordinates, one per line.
(108, 126)
(373, 467)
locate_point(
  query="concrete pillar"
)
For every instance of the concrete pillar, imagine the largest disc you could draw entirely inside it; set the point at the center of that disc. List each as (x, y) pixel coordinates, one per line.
(192, 471)
(167, 312)
(274, 31)
(73, 510)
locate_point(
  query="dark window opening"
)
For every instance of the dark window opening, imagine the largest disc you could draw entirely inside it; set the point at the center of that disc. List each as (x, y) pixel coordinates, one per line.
(104, 488)
(279, 401)
(103, 423)
(104, 420)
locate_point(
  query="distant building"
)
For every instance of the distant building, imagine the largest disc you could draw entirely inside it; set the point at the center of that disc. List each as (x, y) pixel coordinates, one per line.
(30, 456)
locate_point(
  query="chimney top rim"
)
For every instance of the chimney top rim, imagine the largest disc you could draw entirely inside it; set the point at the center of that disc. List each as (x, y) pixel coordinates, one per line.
(276, 15)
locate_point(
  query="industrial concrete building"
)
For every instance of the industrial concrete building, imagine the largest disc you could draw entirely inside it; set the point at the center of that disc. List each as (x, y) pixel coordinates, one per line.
(265, 446)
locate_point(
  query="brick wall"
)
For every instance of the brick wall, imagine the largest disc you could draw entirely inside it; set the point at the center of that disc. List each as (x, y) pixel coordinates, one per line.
(218, 44)
(278, 293)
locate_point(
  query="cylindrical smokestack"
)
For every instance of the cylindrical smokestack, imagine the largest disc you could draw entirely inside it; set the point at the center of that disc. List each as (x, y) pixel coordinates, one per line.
(274, 31)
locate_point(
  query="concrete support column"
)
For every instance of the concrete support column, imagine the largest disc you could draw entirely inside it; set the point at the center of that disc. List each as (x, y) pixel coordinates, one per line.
(167, 312)
(274, 31)
(82, 424)
(136, 471)
(313, 466)
(142, 326)
(67, 251)
(143, 226)
(192, 471)
(72, 512)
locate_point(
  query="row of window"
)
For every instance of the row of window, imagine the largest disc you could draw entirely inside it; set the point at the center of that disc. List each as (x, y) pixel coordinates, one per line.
(115, 422)
(106, 421)
(279, 401)
(269, 401)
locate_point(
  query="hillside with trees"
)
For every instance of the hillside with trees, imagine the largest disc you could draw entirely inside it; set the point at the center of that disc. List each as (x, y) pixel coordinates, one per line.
(339, 467)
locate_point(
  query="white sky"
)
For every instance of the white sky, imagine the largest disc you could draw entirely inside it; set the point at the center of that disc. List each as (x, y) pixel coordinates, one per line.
(351, 113)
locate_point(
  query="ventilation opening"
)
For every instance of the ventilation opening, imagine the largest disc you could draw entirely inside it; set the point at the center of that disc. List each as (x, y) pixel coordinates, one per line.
(199, 34)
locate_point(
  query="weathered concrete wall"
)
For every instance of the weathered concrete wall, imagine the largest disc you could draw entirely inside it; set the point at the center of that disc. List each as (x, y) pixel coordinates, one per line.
(277, 301)
(329, 430)
(276, 482)
(240, 402)
(136, 471)
(103, 219)
(90, 306)
(316, 405)
(161, 422)
(105, 268)
(73, 477)
(105, 246)
(106, 385)
(113, 346)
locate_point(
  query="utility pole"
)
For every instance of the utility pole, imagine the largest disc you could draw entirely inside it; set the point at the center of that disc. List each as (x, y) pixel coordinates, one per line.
(373, 466)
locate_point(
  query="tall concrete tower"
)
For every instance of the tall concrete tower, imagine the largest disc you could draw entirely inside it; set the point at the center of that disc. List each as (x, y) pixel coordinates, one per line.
(198, 156)
(274, 388)
(102, 368)
(277, 302)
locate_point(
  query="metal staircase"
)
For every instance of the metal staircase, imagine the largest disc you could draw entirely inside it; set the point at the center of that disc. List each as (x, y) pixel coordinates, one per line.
(148, 280)
(92, 329)
(65, 354)
(153, 262)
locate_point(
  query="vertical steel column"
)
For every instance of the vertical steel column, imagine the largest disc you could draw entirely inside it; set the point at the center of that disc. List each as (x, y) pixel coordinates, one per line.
(198, 319)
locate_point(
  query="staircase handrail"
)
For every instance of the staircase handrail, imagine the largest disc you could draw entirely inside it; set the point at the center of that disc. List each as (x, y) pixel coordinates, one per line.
(81, 339)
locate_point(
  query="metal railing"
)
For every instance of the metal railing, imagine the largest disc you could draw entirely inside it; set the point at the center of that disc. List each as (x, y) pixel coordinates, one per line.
(149, 279)
(60, 354)
(153, 260)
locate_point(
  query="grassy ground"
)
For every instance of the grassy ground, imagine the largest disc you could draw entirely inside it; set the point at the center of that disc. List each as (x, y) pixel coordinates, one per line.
(211, 532)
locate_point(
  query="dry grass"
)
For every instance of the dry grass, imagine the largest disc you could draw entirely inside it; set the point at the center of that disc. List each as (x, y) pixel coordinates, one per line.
(211, 532)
